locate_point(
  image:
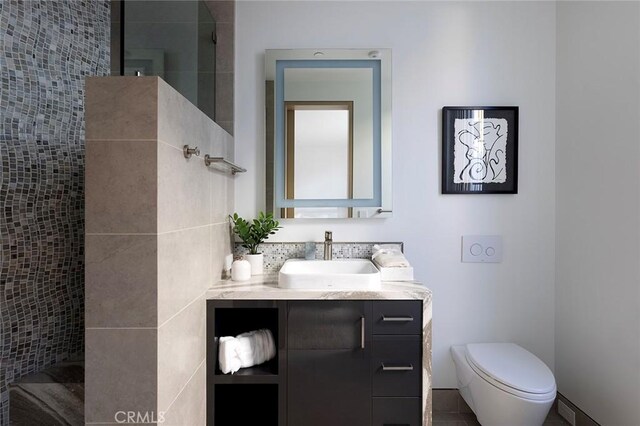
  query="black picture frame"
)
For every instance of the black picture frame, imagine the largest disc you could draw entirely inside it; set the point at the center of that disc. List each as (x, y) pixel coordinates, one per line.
(480, 155)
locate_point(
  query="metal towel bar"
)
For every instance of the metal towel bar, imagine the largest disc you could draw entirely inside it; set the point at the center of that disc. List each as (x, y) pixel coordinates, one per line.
(234, 167)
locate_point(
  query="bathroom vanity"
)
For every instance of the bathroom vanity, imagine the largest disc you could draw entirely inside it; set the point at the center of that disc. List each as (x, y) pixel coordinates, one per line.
(343, 357)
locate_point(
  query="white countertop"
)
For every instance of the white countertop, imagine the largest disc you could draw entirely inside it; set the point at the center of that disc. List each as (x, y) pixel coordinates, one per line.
(266, 287)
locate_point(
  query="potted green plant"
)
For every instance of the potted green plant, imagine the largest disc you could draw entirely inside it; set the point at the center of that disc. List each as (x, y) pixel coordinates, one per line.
(253, 233)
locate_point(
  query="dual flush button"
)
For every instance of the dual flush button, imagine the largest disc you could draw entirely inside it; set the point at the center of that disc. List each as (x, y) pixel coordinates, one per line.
(481, 248)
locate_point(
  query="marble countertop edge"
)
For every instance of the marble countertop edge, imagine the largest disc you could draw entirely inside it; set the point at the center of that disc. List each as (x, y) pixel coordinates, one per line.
(266, 287)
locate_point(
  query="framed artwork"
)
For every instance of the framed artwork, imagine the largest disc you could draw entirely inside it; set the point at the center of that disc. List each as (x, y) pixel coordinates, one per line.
(480, 150)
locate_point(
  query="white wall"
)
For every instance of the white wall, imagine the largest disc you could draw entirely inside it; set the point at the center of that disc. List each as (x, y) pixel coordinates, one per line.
(598, 209)
(496, 53)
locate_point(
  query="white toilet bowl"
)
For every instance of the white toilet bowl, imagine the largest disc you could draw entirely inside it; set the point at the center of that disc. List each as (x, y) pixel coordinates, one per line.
(504, 384)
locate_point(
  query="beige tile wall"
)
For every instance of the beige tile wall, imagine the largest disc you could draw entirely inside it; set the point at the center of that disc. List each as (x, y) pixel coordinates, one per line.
(157, 234)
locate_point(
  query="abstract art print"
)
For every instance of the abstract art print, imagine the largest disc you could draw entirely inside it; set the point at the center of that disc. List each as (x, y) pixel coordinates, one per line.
(480, 150)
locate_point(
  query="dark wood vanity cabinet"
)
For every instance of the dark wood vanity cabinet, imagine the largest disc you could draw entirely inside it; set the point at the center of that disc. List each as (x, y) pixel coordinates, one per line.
(328, 356)
(339, 363)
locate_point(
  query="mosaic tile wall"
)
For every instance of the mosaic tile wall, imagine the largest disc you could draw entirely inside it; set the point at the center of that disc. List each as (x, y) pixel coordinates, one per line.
(275, 254)
(46, 50)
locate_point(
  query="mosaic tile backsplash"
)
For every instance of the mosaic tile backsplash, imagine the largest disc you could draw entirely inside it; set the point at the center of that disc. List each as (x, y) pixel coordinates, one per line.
(275, 254)
(47, 48)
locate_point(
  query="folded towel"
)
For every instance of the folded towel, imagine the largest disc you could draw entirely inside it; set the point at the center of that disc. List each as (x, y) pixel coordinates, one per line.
(245, 350)
(389, 256)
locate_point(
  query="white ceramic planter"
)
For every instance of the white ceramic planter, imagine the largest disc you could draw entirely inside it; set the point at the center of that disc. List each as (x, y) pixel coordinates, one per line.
(257, 263)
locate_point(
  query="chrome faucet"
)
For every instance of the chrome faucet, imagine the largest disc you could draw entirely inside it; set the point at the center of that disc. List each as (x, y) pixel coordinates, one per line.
(328, 244)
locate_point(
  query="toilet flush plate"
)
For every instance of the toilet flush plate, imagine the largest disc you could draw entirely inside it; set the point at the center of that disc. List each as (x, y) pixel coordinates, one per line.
(481, 248)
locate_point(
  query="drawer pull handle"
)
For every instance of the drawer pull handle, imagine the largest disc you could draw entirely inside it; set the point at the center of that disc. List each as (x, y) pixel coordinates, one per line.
(397, 319)
(396, 424)
(362, 333)
(395, 367)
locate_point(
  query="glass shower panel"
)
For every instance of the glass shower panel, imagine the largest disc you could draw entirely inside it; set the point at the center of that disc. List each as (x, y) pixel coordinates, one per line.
(174, 40)
(206, 60)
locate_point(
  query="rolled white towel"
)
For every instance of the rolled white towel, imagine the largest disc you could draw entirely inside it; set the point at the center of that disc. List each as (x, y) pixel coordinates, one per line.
(227, 358)
(389, 256)
(245, 350)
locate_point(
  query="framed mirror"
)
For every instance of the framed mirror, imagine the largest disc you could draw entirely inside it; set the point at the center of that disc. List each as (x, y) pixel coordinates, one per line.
(328, 133)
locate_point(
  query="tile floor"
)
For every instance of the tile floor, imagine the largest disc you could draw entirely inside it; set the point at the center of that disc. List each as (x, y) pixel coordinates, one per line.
(449, 409)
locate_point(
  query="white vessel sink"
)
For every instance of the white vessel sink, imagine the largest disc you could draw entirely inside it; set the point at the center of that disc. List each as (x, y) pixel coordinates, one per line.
(344, 274)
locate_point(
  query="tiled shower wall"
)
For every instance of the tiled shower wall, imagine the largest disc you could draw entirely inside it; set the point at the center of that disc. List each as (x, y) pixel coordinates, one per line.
(46, 50)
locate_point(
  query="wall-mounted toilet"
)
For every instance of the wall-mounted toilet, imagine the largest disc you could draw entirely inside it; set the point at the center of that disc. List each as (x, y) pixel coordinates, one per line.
(504, 384)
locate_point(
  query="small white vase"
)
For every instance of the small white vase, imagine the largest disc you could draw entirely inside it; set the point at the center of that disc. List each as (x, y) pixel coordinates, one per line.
(257, 263)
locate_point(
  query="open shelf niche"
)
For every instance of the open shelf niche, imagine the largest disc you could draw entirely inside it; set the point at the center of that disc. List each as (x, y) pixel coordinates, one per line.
(246, 404)
(261, 387)
(234, 321)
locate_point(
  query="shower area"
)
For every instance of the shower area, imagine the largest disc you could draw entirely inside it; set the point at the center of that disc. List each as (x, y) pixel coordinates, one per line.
(172, 39)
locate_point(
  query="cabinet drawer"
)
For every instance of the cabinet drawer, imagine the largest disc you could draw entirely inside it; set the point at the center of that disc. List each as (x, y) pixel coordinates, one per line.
(326, 325)
(396, 366)
(397, 317)
(397, 412)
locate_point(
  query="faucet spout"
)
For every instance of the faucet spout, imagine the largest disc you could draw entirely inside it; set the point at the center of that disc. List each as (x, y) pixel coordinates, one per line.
(328, 244)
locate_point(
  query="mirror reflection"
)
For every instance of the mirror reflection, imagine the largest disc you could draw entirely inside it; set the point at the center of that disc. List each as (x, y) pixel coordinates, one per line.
(319, 130)
(328, 120)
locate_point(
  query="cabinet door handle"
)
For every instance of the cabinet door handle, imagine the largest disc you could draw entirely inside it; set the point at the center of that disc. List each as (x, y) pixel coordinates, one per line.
(397, 319)
(361, 332)
(396, 367)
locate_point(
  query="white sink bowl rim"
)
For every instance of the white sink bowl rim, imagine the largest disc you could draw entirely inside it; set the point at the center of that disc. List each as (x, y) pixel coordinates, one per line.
(343, 274)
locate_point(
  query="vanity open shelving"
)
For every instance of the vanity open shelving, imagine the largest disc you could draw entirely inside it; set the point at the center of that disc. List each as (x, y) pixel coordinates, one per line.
(253, 395)
(243, 317)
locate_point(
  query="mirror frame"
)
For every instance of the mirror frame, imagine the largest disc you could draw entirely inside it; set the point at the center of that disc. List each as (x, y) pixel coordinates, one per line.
(379, 60)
